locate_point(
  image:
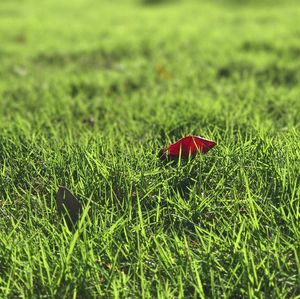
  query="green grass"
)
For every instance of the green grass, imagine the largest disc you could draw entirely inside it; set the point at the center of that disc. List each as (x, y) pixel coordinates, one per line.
(90, 91)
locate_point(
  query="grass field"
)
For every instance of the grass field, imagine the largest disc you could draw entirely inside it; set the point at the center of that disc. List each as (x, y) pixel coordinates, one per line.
(90, 91)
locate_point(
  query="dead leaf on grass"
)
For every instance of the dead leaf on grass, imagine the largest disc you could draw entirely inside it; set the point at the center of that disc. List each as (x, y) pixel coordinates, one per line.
(68, 205)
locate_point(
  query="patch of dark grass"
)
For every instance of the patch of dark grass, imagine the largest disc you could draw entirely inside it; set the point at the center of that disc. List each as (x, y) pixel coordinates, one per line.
(270, 74)
(86, 59)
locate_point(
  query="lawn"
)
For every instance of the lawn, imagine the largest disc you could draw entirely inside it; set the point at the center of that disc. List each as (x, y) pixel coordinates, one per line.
(91, 91)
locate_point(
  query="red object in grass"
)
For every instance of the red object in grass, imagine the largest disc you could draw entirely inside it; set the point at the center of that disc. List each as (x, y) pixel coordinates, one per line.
(189, 145)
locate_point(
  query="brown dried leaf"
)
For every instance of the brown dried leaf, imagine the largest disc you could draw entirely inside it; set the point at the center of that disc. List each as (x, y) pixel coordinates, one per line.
(68, 205)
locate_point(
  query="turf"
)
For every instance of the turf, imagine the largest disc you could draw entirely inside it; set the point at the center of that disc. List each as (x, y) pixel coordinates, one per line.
(90, 91)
